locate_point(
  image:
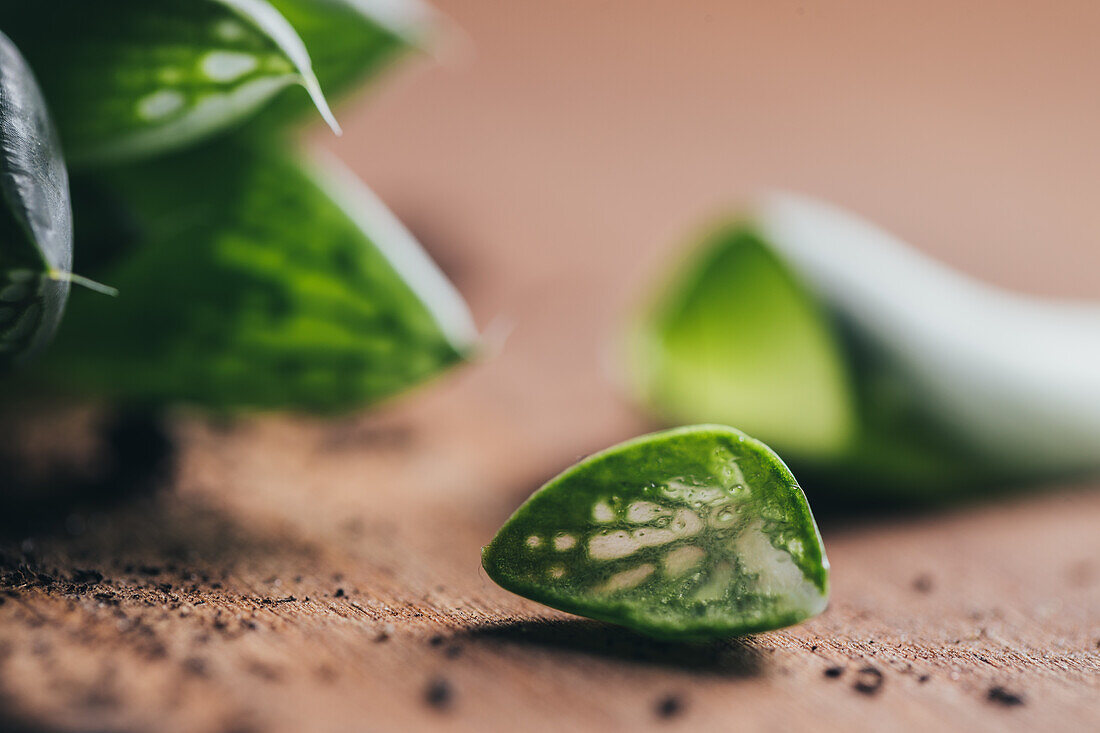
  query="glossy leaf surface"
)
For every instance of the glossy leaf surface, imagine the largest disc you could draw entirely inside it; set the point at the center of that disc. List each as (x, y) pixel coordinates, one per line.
(36, 233)
(146, 77)
(694, 533)
(255, 283)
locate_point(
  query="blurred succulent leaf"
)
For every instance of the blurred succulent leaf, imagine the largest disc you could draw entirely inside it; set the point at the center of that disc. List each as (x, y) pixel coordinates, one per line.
(735, 334)
(1012, 381)
(698, 532)
(936, 385)
(255, 282)
(36, 233)
(150, 76)
(348, 41)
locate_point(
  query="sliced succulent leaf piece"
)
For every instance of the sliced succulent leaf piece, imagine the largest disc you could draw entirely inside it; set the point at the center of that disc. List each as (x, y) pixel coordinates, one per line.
(349, 40)
(996, 370)
(36, 232)
(257, 283)
(736, 335)
(147, 77)
(694, 533)
(940, 386)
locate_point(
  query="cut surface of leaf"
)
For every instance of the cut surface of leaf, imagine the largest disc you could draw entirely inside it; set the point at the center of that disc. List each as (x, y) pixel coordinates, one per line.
(736, 339)
(693, 533)
(992, 369)
(892, 377)
(144, 78)
(36, 233)
(255, 282)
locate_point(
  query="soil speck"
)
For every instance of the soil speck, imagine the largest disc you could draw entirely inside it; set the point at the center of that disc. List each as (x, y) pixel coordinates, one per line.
(922, 583)
(1002, 696)
(868, 681)
(669, 706)
(439, 694)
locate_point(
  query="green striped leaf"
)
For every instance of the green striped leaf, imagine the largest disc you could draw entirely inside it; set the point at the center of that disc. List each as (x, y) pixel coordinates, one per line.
(694, 533)
(255, 282)
(36, 233)
(148, 76)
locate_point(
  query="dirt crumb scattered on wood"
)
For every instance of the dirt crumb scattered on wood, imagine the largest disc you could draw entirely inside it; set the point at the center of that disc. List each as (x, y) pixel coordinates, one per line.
(868, 680)
(1002, 696)
(922, 583)
(670, 706)
(439, 694)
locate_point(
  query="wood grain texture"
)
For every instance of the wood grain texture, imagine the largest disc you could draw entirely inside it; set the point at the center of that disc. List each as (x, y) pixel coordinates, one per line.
(245, 600)
(296, 575)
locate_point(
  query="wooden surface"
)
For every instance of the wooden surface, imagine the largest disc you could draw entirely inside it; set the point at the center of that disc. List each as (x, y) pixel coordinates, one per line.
(297, 575)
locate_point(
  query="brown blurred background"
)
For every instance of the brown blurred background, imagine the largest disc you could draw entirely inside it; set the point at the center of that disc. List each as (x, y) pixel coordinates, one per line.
(325, 576)
(563, 151)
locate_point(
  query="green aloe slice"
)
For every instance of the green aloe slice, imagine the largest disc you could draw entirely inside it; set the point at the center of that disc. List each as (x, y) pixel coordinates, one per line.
(694, 533)
(735, 335)
(880, 372)
(146, 77)
(256, 282)
(36, 232)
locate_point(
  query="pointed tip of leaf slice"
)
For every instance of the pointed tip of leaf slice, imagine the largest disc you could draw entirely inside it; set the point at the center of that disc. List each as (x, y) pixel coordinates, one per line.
(271, 21)
(693, 533)
(314, 88)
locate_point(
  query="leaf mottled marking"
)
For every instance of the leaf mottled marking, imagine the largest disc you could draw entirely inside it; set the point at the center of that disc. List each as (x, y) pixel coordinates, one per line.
(698, 532)
(145, 78)
(248, 286)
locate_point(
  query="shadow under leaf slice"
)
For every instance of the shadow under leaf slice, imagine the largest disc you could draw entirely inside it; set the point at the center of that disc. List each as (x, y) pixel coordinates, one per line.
(729, 658)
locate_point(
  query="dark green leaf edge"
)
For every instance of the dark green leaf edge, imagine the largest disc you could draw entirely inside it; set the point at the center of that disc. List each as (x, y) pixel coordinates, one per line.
(36, 256)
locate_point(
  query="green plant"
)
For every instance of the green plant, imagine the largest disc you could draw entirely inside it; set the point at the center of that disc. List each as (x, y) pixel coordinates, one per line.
(693, 533)
(249, 275)
(871, 367)
(36, 224)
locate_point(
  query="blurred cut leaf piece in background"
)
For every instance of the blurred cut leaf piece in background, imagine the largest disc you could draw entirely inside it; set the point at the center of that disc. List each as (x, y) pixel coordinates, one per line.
(738, 335)
(253, 282)
(869, 365)
(132, 78)
(36, 233)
